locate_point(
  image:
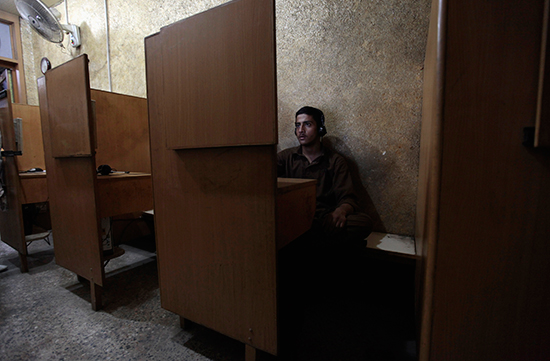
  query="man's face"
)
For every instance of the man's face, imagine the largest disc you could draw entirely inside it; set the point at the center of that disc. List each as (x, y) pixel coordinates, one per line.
(306, 129)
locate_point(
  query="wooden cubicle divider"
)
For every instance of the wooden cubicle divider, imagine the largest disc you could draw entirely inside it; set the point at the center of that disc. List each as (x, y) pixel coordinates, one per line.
(34, 188)
(79, 198)
(21, 188)
(33, 147)
(542, 124)
(122, 131)
(11, 218)
(483, 214)
(213, 123)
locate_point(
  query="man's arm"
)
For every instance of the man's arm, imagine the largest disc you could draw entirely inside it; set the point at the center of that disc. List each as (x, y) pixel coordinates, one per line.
(337, 219)
(345, 196)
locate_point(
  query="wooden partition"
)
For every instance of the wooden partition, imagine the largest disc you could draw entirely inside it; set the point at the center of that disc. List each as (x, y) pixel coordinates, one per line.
(22, 188)
(11, 217)
(80, 133)
(213, 122)
(483, 217)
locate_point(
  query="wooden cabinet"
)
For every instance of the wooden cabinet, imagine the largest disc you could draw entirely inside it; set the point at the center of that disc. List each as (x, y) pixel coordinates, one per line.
(483, 217)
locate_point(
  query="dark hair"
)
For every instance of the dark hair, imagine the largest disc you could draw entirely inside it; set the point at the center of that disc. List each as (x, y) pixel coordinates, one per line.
(317, 115)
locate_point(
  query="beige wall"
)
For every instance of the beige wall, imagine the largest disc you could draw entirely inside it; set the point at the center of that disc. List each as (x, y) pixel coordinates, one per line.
(360, 61)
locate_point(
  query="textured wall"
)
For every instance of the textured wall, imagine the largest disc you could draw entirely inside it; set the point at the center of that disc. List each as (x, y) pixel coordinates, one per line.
(360, 61)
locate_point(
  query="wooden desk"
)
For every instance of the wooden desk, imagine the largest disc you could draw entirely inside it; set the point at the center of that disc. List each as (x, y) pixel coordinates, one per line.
(121, 193)
(98, 128)
(34, 188)
(295, 208)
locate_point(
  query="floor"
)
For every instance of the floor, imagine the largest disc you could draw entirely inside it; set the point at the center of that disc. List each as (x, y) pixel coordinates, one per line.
(45, 314)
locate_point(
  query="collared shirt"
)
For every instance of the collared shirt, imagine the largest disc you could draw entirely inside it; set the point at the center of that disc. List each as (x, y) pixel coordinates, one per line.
(334, 183)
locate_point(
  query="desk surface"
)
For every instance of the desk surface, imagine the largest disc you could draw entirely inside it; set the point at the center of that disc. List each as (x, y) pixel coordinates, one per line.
(122, 175)
(27, 175)
(285, 185)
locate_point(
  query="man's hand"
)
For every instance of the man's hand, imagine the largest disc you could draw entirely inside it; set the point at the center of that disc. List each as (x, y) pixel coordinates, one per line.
(337, 219)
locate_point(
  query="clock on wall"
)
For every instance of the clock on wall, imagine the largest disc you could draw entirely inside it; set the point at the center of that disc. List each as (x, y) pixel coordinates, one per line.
(45, 65)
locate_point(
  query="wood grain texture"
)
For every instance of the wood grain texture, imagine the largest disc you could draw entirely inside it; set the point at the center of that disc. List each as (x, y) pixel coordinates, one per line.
(71, 188)
(34, 188)
(542, 125)
(33, 146)
(429, 171)
(296, 202)
(124, 193)
(79, 199)
(11, 220)
(122, 129)
(220, 87)
(69, 99)
(215, 224)
(211, 94)
(490, 269)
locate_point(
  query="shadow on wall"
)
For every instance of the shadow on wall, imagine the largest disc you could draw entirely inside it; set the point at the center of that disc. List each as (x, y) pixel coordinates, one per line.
(365, 201)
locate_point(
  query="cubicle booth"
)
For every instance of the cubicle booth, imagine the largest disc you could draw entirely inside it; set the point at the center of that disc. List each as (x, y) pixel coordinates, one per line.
(22, 188)
(83, 129)
(221, 214)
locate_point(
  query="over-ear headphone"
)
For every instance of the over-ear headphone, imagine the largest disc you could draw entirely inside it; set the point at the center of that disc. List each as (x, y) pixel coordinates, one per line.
(322, 129)
(104, 169)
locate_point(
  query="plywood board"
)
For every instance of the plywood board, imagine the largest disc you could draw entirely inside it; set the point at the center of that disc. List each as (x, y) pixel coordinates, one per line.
(11, 219)
(33, 146)
(296, 202)
(68, 88)
(219, 76)
(124, 193)
(73, 211)
(213, 126)
(122, 128)
(215, 224)
(34, 188)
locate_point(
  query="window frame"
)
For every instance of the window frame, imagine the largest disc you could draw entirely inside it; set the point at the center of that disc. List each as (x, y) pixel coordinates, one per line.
(15, 63)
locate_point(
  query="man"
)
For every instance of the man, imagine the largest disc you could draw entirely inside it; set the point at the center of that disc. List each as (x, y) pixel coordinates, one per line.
(321, 260)
(337, 221)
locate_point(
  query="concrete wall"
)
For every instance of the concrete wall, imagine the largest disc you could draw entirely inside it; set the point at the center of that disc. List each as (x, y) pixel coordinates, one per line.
(360, 61)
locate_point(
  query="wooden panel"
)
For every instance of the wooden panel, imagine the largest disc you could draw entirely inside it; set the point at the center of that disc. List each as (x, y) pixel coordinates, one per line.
(122, 129)
(429, 172)
(219, 77)
(11, 220)
(124, 193)
(215, 228)
(33, 147)
(211, 86)
(542, 132)
(34, 188)
(295, 208)
(68, 88)
(71, 183)
(491, 269)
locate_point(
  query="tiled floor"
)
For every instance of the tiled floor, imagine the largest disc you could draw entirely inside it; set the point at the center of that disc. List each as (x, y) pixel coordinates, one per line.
(46, 315)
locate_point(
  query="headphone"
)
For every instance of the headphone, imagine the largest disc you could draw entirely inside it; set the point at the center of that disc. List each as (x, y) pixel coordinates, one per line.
(321, 128)
(104, 169)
